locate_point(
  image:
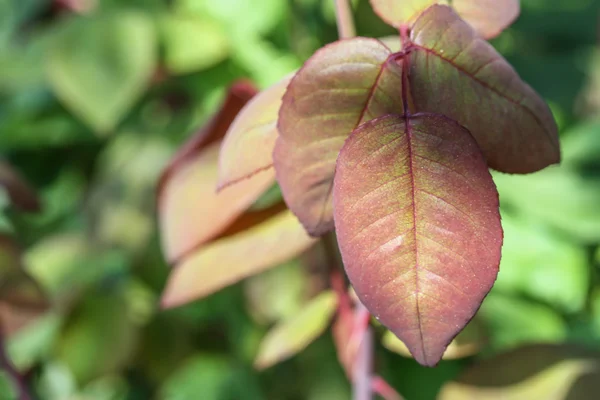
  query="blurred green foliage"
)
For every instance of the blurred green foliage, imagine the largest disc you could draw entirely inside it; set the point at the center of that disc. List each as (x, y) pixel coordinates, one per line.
(93, 104)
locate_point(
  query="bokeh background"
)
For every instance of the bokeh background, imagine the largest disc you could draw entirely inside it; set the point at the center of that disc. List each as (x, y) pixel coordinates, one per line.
(97, 95)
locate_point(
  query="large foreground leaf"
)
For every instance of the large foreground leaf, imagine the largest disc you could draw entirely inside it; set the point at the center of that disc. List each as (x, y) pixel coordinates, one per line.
(456, 73)
(233, 258)
(248, 145)
(341, 86)
(416, 214)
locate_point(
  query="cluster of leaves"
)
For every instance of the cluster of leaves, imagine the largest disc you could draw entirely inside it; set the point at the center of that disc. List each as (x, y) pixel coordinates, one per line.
(94, 150)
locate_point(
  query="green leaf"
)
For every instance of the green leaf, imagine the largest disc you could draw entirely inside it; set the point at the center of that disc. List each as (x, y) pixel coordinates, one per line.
(513, 321)
(203, 374)
(417, 221)
(456, 73)
(193, 43)
(341, 86)
(99, 66)
(295, 333)
(538, 263)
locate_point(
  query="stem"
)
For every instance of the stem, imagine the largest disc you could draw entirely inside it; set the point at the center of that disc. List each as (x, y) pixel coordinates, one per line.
(345, 22)
(362, 374)
(6, 364)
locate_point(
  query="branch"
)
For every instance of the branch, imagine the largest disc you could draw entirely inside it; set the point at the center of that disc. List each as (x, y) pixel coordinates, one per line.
(362, 374)
(345, 22)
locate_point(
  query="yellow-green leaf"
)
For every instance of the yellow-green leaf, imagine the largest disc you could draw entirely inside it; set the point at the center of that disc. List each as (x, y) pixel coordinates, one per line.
(294, 334)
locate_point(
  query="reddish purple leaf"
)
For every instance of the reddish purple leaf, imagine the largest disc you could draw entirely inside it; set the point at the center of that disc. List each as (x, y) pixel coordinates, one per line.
(341, 86)
(416, 213)
(456, 73)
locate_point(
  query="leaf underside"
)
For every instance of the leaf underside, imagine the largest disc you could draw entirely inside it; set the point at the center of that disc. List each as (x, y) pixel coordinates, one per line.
(487, 17)
(341, 86)
(418, 227)
(247, 148)
(456, 73)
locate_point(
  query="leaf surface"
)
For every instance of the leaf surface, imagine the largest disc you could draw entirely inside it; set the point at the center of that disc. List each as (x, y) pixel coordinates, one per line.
(341, 86)
(248, 145)
(488, 17)
(191, 212)
(417, 219)
(99, 66)
(456, 73)
(294, 334)
(236, 257)
(397, 13)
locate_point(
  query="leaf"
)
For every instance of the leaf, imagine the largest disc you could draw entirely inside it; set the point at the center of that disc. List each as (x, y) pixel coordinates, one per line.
(566, 196)
(99, 66)
(183, 55)
(203, 373)
(455, 73)
(248, 145)
(543, 265)
(546, 372)
(235, 257)
(488, 17)
(187, 187)
(21, 302)
(191, 212)
(513, 322)
(467, 343)
(416, 214)
(341, 86)
(21, 195)
(294, 334)
(397, 13)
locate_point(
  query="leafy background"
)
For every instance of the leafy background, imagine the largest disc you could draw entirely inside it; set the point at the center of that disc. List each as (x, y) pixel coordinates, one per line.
(95, 99)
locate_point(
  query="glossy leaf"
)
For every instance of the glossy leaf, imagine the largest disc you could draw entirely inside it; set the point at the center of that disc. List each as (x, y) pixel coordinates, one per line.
(532, 372)
(99, 66)
(248, 145)
(416, 214)
(488, 17)
(235, 257)
(21, 195)
(191, 212)
(341, 86)
(292, 335)
(456, 73)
